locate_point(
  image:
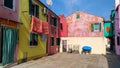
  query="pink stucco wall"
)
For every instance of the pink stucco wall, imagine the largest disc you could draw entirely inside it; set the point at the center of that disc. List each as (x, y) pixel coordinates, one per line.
(82, 27)
(9, 13)
(117, 29)
(64, 31)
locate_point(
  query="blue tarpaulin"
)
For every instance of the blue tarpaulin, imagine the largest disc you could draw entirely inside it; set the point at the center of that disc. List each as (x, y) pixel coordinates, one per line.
(86, 48)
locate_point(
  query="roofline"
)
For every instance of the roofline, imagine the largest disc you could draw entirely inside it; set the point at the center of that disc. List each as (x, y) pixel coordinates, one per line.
(61, 15)
(85, 12)
(47, 7)
(107, 21)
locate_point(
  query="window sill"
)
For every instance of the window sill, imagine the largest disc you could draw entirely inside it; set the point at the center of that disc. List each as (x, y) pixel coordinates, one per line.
(32, 46)
(13, 9)
(51, 46)
(97, 31)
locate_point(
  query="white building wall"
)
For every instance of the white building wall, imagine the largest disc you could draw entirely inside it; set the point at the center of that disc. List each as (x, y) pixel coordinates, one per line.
(98, 44)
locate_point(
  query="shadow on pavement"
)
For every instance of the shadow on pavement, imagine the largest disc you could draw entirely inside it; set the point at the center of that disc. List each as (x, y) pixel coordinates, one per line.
(113, 60)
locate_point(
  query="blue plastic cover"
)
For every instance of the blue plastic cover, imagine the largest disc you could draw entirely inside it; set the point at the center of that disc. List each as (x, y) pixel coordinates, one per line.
(86, 48)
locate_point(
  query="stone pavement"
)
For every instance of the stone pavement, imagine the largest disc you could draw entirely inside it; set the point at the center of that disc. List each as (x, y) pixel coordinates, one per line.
(67, 60)
(113, 60)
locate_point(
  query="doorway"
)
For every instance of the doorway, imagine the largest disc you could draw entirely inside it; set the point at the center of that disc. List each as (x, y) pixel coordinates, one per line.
(110, 44)
(64, 44)
(8, 40)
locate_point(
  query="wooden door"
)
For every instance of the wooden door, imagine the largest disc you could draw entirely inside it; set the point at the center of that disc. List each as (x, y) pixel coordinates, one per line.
(64, 44)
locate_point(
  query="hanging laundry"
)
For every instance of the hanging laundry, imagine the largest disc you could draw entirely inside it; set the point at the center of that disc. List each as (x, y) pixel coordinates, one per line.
(36, 25)
(49, 2)
(45, 27)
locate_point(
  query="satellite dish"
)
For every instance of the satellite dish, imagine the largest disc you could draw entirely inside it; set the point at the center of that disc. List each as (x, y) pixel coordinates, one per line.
(49, 2)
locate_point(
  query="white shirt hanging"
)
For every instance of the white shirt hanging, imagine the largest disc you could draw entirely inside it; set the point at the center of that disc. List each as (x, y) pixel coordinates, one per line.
(49, 2)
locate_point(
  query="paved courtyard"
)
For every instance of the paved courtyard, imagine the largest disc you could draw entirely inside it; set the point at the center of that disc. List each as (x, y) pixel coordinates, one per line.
(67, 60)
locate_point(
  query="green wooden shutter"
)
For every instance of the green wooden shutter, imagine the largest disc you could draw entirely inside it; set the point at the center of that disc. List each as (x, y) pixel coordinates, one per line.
(36, 39)
(92, 27)
(100, 27)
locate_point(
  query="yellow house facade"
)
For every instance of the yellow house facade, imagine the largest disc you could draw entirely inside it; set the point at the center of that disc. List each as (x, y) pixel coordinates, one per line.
(26, 50)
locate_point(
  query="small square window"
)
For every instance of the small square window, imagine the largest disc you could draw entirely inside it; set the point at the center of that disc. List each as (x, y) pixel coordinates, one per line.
(52, 41)
(44, 37)
(118, 40)
(53, 21)
(77, 16)
(58, 41)
(61, 27)
(9, 3)
(96, 26)
(33, 39)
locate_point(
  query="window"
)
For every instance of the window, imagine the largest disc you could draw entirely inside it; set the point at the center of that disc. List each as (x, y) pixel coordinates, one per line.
(58, 41)
(47, 18)
(33, 39)
(33, 9)
(96, 26)
(9, 4)
(53, 21)
(44, 37)
(61, 27)
(77, 16)
(52, 41)
(118, 40)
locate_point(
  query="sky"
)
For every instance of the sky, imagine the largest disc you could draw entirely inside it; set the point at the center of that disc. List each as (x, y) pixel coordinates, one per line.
(96, 7)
